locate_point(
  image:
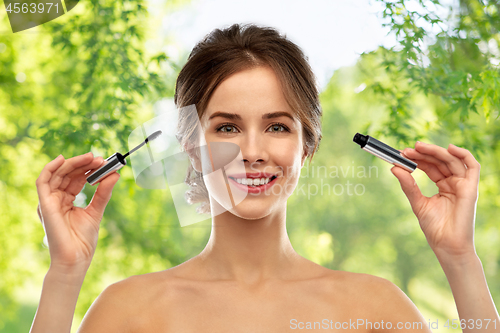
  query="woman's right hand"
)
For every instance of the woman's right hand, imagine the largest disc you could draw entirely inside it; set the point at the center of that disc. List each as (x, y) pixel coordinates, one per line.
(72, 232)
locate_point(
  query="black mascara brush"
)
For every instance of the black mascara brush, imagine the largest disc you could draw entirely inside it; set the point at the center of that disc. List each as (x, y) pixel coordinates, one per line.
(116, 162)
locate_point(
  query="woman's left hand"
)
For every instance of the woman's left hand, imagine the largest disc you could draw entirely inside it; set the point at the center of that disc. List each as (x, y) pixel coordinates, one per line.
(447, 218)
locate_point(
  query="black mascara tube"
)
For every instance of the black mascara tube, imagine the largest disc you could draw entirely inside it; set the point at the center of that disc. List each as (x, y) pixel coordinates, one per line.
(116, 162)
(383, 151)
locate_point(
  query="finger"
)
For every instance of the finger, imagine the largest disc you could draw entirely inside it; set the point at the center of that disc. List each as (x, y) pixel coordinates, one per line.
(410, 188)
(68, 166)
(42, 182)
(78, 178)
(454, 164)
(80, 172)
(102, 196)
(417, 156)
(473, 166)
(431, 171)
(437, 168)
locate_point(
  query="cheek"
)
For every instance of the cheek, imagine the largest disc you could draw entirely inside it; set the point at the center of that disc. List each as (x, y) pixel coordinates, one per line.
(288, 155)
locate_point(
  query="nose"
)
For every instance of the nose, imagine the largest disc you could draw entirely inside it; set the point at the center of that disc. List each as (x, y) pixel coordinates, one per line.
(254, 148)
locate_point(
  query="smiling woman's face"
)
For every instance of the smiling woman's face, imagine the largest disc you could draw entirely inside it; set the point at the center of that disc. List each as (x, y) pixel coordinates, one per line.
(250, 110)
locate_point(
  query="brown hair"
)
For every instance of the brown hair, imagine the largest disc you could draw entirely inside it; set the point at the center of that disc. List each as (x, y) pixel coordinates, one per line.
(224, 52)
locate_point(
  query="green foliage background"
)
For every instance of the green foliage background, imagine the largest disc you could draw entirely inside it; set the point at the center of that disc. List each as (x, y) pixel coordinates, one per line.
(90, 81)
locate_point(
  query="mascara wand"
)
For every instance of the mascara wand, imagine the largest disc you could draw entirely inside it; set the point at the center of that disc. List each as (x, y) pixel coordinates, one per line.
(116, 162)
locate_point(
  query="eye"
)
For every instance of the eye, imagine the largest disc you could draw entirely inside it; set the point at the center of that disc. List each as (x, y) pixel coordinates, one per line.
(226, 128)
(278, 127)
(231, 128)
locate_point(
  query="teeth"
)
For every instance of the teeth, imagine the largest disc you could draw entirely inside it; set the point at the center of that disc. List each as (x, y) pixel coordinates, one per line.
(252, 182)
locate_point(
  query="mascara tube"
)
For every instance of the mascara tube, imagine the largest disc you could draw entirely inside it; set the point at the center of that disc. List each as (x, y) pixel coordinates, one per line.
(383, 151)
(116, 162)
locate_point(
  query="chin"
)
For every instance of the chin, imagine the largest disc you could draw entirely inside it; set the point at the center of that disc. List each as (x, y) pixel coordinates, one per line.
(251, 208)
(251, 211)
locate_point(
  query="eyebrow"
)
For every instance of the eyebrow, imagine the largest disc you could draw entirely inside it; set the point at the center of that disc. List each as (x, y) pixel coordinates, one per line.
(235, 116)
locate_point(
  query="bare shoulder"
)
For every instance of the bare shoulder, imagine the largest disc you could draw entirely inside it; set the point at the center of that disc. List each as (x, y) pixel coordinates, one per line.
(123, 305)
(368, 287)
(382, 299)
(372, 286)
(111, 310)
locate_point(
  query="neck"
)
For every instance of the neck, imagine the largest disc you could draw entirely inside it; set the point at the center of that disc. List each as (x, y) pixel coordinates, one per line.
(249, 251)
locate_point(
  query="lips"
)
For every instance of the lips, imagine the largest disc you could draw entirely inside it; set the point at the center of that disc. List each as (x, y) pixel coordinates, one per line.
(253, 189)
(253, 175)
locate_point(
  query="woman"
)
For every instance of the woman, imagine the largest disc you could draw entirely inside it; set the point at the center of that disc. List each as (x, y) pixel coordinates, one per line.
(254, 88)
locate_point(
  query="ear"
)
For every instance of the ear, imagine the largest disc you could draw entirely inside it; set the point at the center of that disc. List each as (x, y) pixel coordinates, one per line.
(194, 156)
(304, 156)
